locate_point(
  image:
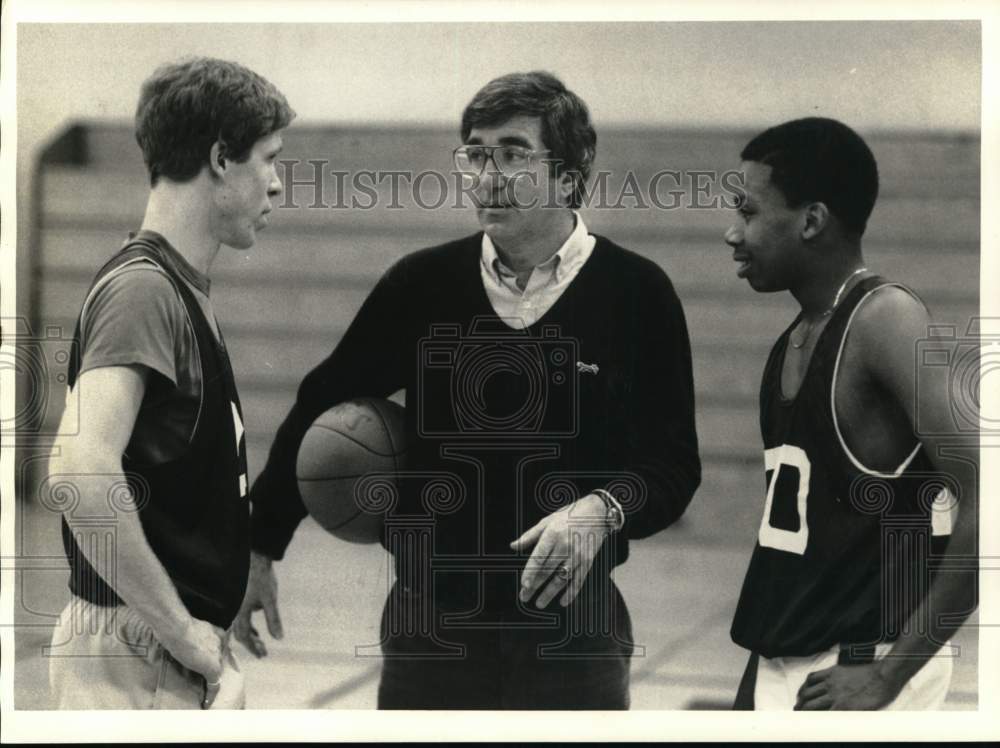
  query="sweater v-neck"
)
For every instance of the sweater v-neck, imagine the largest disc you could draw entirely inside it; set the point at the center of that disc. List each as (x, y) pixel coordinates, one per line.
(582, 277)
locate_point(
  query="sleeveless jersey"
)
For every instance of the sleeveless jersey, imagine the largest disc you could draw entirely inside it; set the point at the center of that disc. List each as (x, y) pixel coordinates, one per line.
(843, 552)
(193, 509)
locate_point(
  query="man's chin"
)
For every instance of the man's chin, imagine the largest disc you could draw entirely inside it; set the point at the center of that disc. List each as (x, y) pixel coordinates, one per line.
(241, 242)
(764, 285)
(495, 220)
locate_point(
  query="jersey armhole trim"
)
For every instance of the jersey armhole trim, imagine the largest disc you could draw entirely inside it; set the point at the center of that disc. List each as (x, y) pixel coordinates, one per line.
(833, 391)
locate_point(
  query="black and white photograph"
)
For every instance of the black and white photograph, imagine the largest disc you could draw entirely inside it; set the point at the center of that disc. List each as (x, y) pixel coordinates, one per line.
(438, 371)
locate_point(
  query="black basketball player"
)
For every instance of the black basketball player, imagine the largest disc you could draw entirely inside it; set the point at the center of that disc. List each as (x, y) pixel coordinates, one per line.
(841, 607)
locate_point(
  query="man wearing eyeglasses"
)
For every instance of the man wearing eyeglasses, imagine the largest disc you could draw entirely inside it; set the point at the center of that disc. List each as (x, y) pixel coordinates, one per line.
(548, 378)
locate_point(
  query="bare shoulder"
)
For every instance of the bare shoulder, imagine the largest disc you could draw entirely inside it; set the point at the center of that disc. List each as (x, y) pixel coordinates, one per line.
(887, 326)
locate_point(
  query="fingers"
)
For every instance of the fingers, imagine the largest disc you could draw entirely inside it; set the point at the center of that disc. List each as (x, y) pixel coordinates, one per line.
(241, 625)
(213, 668)
(813, 688)
(241, 631)
(580, 572)
(557, 542)
(261, 594)
(817, 676)
(529, 538)
(819, 704)
(211, 691)
(576, 550)
(557, 584)
(540, 565)
(809, 693)
(273, 618)
(199, 650)
(247, 635)
(256, 643)
(230, 690)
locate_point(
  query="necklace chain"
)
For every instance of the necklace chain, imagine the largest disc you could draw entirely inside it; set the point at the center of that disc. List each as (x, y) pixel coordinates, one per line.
(828, 312)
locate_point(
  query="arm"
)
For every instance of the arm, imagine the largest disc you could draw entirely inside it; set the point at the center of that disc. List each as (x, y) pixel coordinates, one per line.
(888, 328)
(109, 402)
(663, 443)
(662, 446)
(369, 360)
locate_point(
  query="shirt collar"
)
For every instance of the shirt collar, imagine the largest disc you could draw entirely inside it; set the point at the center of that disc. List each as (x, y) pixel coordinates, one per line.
(564, 257)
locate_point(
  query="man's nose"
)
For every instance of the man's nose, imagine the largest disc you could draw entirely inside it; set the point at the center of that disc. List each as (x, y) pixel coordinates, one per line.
(492, 177)
(276, 187)
(734, 236)
(491, 164)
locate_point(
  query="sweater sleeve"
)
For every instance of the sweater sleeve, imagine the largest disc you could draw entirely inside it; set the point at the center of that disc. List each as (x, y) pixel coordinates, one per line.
(368, 361)
(662, 444)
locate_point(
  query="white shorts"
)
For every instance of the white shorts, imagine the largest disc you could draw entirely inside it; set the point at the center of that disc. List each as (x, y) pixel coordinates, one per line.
(780, 678)
(108, 658)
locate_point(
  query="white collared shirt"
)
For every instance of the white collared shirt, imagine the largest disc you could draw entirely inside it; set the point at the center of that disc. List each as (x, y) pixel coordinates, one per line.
(520, 309)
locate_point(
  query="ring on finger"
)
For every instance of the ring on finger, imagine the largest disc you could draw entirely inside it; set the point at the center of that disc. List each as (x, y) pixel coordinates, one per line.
(564, 573)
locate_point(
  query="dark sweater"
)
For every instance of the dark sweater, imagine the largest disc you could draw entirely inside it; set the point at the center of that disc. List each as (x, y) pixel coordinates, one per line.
(542, 434)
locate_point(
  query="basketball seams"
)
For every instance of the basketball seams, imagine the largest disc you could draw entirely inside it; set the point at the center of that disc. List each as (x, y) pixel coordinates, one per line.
(341, 525)
(351, 439)
(385, 429)
(340, 440)
(396, 453)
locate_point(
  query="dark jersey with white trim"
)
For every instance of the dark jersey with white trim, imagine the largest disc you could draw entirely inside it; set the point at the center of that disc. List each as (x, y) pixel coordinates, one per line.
(843, 553)
(193, 508)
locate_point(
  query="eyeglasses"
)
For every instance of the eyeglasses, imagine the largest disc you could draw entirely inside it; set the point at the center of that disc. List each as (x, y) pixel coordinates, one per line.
(510, 160)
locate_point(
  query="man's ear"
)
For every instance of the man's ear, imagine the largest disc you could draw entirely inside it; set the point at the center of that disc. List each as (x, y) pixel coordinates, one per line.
(817, 216)
(217, 161)
(567, 183)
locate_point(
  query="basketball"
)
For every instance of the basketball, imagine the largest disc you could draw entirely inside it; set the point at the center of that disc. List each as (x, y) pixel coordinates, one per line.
(347, 459)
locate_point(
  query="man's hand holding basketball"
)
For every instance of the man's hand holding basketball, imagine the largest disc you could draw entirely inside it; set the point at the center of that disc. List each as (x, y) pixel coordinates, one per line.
(565, 545)
(262, 594)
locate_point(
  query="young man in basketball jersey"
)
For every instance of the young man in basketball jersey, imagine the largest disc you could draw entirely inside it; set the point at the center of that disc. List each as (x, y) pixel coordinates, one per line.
(841, 607)
(549, 418)
(160, 441)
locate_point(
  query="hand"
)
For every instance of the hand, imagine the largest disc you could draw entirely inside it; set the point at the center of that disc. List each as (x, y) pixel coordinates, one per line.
(848, 687)
(230, 691)
(198, 647)
(572, 536)
(262, 594)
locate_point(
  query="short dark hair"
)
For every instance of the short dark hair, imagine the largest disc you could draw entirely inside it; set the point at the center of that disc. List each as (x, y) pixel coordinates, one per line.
(185, 107)
(820, 160)
(565, 120)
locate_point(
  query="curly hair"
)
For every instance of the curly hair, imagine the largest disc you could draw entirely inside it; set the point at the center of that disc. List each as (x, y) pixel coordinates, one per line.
(185, 107)
(820, 160)
(565, 120)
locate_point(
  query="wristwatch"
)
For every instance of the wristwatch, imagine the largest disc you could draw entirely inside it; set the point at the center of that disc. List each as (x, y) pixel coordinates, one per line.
(614, 514)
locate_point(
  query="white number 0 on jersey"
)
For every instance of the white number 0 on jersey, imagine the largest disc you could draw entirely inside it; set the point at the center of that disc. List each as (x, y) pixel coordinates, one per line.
(774, 537)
